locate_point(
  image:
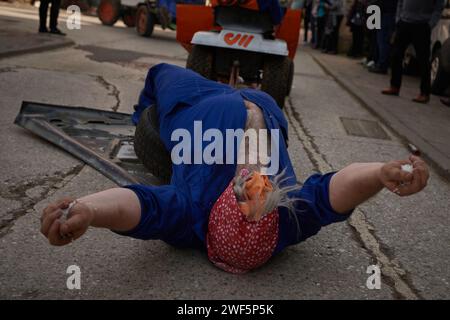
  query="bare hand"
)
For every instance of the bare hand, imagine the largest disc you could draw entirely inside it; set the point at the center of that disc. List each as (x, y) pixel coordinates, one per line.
(401, 182)
(61, 233)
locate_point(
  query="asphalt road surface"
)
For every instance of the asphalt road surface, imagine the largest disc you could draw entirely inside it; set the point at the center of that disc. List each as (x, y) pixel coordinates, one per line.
(105, 69)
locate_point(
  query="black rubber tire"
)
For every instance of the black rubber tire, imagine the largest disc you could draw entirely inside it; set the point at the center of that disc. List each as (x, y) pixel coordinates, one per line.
(200, 60)
(145, 21)
(129, 17)
(149, 147)
(109, 11)
(276, 78)
(441, 81)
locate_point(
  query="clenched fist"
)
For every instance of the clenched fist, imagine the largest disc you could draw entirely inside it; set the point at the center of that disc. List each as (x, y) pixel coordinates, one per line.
(401, 182)
(60, 232)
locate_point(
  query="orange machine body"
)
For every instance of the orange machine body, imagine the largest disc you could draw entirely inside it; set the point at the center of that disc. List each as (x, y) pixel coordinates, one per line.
(193, 18)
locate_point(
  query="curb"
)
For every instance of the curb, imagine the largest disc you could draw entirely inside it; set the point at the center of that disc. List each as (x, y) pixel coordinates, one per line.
(406, 135)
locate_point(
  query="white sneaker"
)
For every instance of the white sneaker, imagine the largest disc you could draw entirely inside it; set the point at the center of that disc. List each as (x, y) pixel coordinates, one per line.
(370, 64)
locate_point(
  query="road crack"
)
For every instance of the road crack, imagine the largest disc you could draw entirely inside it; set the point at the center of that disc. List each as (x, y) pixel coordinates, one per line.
(30, 192)
(393, 275)
(8, 69)
(112, 89)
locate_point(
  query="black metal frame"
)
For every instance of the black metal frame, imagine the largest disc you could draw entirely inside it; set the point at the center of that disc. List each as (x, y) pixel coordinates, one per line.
(102, 139)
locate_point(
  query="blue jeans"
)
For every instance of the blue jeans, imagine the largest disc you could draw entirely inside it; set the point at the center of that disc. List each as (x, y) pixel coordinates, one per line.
(384, 40)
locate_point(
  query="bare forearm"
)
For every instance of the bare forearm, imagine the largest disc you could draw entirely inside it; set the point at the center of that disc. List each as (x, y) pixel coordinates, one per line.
(117, 209)
(353, 185)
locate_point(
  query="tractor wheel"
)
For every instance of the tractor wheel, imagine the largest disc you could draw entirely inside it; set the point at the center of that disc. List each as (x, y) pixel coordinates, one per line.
(200, 60)
(82, 4)
(145, 21)
(129, 17)
(108, 11)
(439, 78)
(276, 77)
(149, 147)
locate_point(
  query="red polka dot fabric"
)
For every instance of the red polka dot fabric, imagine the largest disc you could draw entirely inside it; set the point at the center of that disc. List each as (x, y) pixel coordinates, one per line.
(235, 244)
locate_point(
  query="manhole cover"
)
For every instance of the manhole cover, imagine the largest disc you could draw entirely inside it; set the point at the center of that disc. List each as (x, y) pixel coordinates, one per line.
(364, 128)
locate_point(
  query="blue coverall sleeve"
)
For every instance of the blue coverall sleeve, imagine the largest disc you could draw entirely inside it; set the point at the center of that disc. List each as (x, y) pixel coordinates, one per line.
(158, 83)
(312, 212)
(167, 86)
(165, 215)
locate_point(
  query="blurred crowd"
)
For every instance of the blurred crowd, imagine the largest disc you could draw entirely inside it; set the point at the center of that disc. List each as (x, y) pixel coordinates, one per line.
(322, 21)
(378, 49)
(404, 23)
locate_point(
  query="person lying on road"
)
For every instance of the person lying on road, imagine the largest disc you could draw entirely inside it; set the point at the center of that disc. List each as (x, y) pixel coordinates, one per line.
(238, 211)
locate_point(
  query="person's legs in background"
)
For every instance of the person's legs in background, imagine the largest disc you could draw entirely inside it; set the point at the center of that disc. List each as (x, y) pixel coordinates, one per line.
(335, 35)
(54, 13)
(357, 41)
(421, 39)
(326, 42)
(313, 30)
(384, 43)
(372, 56)
(306, 21)
(43, 8)
(326, 38)
(320, 29)
(401, 42)
(351, 51)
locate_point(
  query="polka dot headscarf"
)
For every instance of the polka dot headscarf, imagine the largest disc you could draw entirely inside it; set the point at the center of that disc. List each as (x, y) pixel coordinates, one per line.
(236, 244)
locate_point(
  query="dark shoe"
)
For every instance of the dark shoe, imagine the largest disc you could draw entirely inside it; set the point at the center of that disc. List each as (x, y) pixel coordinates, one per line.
(446, 102)
(378, 70)
(370, 64)
(421, 98)
(391, 91)
(57, 31)
(43, 30)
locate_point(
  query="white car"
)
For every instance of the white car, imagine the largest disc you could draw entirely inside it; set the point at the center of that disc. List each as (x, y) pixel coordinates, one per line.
(439, 36)
(440, 53)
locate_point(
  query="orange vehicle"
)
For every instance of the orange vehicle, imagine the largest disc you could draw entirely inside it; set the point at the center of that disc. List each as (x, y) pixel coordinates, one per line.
(232, 38)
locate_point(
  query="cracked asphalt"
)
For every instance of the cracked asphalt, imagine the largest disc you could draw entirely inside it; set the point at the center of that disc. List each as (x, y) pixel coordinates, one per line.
(408, 237)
